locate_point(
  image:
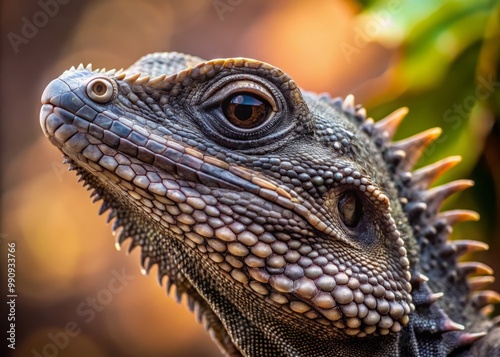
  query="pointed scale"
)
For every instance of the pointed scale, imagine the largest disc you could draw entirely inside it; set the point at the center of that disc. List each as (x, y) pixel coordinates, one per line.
(389, 125)
(111, 216)
(159, 278)
(104, 208)
(191, 303)
(479, 282)
(448, 325)
(425, 176)
(417, 280)
(149, 264)
(142, 80)
(168, 285)
(120, 75)
(157, 80)
(198, 312)
(132, 78)
(467, 338)
(474, 268)
(414, 146)
(485, 298)
(361, 112)
(435, 196)
(463, 247)
(133, 244)
(453, 217)
(487, 310)
(121, 237)
(144, 261)
(348, 104)
(178, 294)
(435, 297)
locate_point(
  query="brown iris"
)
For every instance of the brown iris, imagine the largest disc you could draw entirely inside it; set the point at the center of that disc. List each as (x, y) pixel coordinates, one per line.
(245, 110)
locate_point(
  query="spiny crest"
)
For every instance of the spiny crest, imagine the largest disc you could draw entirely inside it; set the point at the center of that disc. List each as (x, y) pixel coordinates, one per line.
(139, 78)
(88, 67)
(141, 75)
(431, 227)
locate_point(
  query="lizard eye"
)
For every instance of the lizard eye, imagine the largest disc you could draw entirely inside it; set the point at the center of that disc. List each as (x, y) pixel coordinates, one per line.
(350, 209)
(245, 110)
(100, 90)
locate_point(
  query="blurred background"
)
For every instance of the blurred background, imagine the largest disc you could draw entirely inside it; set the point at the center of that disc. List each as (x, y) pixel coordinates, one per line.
(78, 296)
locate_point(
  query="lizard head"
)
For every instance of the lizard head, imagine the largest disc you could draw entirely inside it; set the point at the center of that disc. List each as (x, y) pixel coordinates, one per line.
(280, 195)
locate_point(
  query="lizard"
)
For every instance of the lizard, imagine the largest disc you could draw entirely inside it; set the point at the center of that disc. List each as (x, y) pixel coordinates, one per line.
(292, 221)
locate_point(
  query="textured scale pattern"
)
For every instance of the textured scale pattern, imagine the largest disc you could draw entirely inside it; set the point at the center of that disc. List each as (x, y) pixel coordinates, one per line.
(306, 234)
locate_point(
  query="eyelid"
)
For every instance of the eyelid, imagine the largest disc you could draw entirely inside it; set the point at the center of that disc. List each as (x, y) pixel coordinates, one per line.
(216, 97)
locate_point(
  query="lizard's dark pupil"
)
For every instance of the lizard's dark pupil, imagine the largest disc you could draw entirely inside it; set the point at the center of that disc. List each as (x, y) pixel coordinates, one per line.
(245, 110)
(99, 88)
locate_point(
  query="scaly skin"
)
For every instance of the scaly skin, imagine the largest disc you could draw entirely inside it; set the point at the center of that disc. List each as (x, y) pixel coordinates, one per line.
(291, 221)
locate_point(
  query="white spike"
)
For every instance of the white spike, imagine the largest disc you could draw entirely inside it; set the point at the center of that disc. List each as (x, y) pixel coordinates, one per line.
(157, 80)
(120, 75)
(89, 67)
(348, 103)
(80, 67)
(132, 78)
(142, 80)
(391, 122)
(362, 112)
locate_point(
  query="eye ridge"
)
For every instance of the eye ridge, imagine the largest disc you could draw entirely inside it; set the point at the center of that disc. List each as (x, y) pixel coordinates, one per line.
(350, 207)
(245, 110)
